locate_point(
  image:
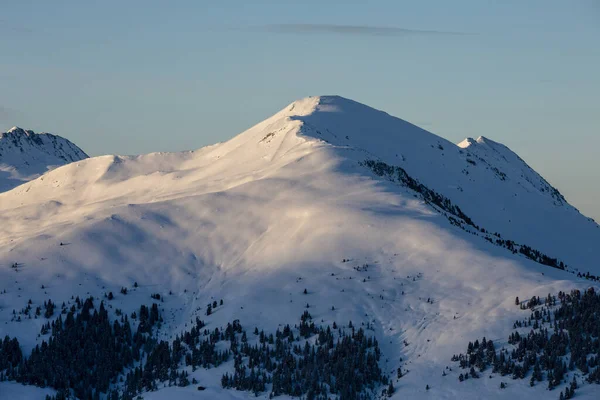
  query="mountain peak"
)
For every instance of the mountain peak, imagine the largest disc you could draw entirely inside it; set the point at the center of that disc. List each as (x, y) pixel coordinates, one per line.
(501, 158)
(466, 143)
(325, 104)
(344, 122)
(314, 104)
(25, 155)
(482, 140)
(15, 130)
(484, 144)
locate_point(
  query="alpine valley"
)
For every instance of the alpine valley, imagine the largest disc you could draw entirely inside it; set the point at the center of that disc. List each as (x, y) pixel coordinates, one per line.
(330, 251)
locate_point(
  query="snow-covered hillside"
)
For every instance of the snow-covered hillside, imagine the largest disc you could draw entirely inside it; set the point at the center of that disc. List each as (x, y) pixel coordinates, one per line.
(25, 155)
(289, 205)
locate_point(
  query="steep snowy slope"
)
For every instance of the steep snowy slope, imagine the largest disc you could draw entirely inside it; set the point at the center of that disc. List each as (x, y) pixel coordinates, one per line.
(496, 156)
(25, 155)
(490, 183)
(290, 205)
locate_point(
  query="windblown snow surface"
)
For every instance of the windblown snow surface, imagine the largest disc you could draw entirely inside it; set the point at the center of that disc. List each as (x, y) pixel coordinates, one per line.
(275, 210)
(25, 155)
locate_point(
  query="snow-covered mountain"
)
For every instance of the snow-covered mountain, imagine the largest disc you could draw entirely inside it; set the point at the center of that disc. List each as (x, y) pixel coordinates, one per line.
(25, 155)
(383, 223)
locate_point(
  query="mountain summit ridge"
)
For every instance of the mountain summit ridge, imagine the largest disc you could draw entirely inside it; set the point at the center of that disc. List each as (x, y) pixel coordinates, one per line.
(332, 118)
(493, 185)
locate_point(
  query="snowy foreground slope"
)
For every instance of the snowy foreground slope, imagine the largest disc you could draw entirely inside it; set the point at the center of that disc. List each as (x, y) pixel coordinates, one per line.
(25, 155)
(292, 204)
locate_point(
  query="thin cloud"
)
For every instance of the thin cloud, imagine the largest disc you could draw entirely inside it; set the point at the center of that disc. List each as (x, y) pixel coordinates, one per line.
(357, 30)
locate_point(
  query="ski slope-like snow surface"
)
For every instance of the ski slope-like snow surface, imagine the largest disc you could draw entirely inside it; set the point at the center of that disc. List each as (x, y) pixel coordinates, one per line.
(257, 219)
(25, 155)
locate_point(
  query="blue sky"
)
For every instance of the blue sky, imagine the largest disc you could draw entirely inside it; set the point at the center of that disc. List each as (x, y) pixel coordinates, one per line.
(131, 77)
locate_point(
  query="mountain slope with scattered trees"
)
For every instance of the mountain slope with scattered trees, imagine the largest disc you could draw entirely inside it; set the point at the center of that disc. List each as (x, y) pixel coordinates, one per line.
(259, 251)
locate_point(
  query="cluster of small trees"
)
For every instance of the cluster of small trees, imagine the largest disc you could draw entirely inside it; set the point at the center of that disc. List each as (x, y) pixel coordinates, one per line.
(530, 253)
(49, 308)
(85, 353)
(196, 347)
(10, 356)
(588, 276)
(341, 363)
(91, 357)
(554, 341)
(210, 307)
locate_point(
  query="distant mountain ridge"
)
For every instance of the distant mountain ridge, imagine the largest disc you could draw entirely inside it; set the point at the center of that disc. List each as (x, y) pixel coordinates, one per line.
(25, 155)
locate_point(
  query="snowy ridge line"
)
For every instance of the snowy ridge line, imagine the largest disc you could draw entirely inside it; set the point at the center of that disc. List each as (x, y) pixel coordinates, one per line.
(439, 202)
(504, 153)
